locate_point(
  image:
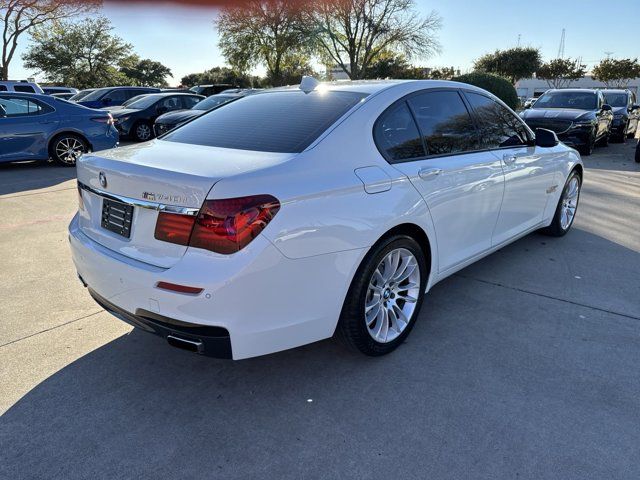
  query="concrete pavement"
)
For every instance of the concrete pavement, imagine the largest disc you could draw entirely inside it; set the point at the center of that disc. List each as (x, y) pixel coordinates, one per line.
(524, 365)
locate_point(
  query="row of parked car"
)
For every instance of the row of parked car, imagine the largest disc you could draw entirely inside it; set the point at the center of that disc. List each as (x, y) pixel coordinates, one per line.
(60, 123)
(585, 118)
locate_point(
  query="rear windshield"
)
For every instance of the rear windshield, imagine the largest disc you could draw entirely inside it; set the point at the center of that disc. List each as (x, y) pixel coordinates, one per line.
(284, 121)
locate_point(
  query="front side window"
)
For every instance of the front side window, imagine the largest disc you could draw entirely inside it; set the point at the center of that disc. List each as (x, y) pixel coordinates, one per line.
(397, 136)
(19, 107)
(189, 102)
(498, 126)
(119, 95)
(444, 122)
(279, 121)
(169, 104)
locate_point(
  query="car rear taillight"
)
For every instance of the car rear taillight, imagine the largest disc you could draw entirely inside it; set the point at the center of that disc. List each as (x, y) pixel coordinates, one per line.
(222, 226)
(174, 228)
(229, 225)
(108, 119)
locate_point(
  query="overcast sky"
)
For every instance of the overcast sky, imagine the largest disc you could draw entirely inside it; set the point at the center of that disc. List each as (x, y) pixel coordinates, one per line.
(185, 40)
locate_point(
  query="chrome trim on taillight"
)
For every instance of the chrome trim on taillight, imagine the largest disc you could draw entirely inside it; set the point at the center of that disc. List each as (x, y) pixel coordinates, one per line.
(161, 207)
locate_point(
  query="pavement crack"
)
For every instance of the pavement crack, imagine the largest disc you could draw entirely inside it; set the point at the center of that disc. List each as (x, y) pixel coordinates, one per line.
(51, 328)
(551, 297)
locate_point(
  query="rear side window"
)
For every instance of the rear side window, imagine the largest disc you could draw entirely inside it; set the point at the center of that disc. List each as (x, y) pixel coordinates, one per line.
(3, 88)
(397, 136)
(20, 107)
(444, 122)
(24, 88)
(285, 121)
(498, 126)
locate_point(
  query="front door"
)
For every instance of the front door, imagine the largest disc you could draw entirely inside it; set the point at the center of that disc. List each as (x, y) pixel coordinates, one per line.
(530, 172)
(24, 128)
(462, 186)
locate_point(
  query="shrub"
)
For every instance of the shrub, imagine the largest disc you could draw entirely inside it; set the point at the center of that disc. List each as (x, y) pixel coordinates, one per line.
(499, 86)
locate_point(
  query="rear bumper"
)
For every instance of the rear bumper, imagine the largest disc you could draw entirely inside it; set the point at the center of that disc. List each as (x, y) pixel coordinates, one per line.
(209, 341)
(264, 301)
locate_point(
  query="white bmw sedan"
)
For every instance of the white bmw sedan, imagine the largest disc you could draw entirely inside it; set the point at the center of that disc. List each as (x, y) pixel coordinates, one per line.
(292, 215)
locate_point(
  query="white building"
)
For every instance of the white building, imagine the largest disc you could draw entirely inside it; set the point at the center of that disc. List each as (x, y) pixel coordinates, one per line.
(534, 87)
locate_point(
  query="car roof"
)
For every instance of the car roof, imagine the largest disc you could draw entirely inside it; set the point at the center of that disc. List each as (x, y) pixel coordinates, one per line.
(574, 90)
(374, 86)
(616, 90)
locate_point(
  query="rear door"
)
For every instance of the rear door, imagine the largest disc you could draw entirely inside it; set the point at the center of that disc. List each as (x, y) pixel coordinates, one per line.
(25, 126)
(461, 184)
(529, 171)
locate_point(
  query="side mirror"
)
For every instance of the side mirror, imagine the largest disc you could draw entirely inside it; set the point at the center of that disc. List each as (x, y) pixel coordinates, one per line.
(546, 138)
(606, 107)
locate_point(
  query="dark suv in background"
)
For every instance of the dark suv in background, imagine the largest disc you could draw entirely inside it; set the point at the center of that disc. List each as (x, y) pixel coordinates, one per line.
(111, 96)
(626, 113)
(581, 118)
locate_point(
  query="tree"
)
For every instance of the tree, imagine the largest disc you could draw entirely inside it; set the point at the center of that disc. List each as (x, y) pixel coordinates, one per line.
(145, 72)
(221, 75)
(513, 63)
(84, 54)
(616, 73)
(496, 84)
(560, 72)
(21, 16)
(265, 32)
(355, 34)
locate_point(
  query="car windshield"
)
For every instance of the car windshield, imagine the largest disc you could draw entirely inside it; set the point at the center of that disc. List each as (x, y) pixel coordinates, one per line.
(576, 100)
(133, 99)
(616, 99)
(144, 102)
(96, 94)
(81, 94)
(280, 121)
(213, 101)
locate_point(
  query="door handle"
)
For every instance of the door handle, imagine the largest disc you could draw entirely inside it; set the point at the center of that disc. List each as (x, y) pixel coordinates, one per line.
(429, 173)
(509, 159)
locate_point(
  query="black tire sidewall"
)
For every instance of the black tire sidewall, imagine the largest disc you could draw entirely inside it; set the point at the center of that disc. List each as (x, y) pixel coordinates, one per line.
(352, 325)
(556, 225)
(135, 132)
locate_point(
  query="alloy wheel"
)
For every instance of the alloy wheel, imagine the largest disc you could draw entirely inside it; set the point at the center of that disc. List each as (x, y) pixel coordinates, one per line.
(69, 149)
(392, 294)
(569, 203)
(143, 132)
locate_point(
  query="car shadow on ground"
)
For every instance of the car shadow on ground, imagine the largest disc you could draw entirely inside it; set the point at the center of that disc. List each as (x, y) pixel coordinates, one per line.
(617, 156)
(494, 380)
(19, 177)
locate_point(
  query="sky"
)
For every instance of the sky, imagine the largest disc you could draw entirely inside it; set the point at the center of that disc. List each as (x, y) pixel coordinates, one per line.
(184, 38)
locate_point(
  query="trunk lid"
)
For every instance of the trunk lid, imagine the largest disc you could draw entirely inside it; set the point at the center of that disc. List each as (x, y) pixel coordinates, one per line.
(152, 173)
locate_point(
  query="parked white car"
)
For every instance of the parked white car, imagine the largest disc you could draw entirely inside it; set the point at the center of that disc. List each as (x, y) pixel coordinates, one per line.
(20, 86)
(290, 215)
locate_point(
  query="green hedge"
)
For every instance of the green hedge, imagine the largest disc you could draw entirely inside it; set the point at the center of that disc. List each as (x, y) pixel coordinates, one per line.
(495, 84)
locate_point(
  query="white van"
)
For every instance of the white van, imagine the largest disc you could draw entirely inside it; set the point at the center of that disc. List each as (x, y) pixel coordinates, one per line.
(21, 86)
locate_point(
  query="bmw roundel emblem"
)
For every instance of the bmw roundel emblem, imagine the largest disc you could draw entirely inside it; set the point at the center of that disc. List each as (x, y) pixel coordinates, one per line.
(103, 179)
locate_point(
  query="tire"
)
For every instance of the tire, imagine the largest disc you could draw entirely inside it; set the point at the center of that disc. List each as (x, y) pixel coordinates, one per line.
(372, 302)
(142, 132)
(586, 150)
(604, 142)
(638, 152)
(65, 149)
(568, 203)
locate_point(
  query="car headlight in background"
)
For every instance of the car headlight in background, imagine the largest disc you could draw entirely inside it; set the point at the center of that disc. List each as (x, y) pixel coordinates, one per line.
(583, 124)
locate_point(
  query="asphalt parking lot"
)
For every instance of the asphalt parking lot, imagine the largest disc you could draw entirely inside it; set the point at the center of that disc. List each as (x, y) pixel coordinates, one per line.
(524, 365)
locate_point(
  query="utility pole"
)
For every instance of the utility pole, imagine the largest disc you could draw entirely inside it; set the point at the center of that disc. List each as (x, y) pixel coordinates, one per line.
(561, 47)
